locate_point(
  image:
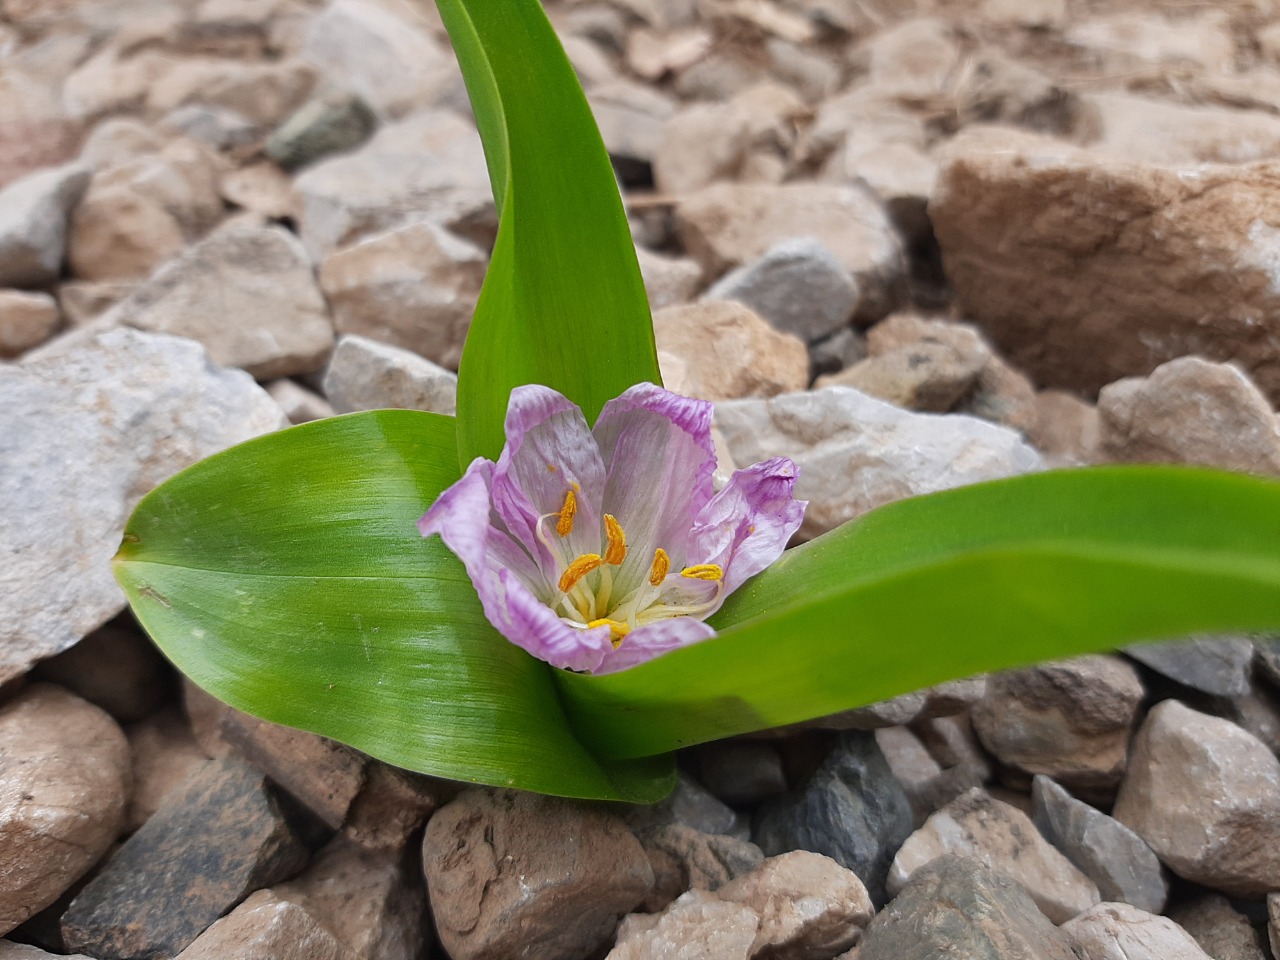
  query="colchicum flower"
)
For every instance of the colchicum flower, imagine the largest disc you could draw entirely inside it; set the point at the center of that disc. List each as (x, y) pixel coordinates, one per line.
(599, 549)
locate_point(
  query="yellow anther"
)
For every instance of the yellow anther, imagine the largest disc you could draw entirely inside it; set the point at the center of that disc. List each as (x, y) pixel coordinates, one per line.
(703, 571)
(564, 526)
(579, 569)
(616, 552)
(661, 564)
(617, 629)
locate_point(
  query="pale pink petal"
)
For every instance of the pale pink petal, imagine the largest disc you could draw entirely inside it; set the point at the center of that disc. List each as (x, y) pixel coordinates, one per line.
(532, 625)
(653, 640)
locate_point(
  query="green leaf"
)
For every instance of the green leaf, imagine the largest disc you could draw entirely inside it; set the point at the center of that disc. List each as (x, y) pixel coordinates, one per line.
(286, 577)
(953, 584)
(563, 303)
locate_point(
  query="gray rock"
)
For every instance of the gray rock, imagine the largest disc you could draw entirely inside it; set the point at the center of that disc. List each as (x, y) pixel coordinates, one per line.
(690, 804)
(1268, 658)
(832, 354)
(69, 481)
(1106, 851)
(958, 907)
(798, 286)
(247, 293)
(328, 125)
(742, 771)
(852, 810)
(1222, 931)
(33, 224)
(1110, 930)
(216, 127)
(1218, 666)
(367, 375)
(836, 432)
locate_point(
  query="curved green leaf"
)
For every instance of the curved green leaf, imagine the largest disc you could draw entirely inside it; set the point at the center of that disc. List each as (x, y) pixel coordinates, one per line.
(286, 577)
(949, 585)
(563, 303)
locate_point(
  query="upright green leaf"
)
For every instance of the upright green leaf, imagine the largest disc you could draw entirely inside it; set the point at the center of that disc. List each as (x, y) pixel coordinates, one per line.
(286, 577)
(563, 303)
(957, 583)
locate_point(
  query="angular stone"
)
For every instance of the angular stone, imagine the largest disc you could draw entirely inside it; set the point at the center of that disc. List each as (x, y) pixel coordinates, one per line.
(1218, 666)
(832, 354)
(958, 905)
(260, 94)
(1109, 931)
(668, 280)
(809, 906)
(852, 810)
(64, 781)
(836, 432)
(367, 375)
(729, 225)
(1005, 839)
(519, 873)
(630, 117)
(217, 838)
(165, 753)
(247, 294)
(322, 775)
(691, 805)
(930, 377)
(1273, 927)
(1106, 851)
(701, 144)
(1268, 658)
(265, 927)
(82, 302)
(392, 805)
(724, 351)
(1205, 795)
(299, 404)
(1139, 37)
(1139, 129)
(33, 224)
(69, 483)
(684, 859)
(215, 127)
(115, 668)
(22, 951)
(913, 60)
(697, 925)
(414, 287)
(1064, 428)
(1222, 931)
(319, 128)
(1069, 720)
(261, 188)
(742, 772)
(27, 319)
(798, 286)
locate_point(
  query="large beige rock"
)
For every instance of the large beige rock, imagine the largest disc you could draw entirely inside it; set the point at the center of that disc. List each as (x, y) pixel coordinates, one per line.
(697, 925)
(1117, 931)
(724, 351)
(266, 927)
(27, 319)
(364, 374)
(1143, 130)
(1205, 795)
(263, 94)
(1084, 270)
(1190, 411)
(64, 781)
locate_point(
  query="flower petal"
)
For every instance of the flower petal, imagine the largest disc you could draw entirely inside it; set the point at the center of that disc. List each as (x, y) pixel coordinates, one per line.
(531, 624)
(652, 640)
(748, 523)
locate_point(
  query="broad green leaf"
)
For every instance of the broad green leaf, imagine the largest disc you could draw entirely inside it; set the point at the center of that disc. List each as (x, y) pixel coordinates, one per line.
(945, 586)
(563, 303)
(286, 577)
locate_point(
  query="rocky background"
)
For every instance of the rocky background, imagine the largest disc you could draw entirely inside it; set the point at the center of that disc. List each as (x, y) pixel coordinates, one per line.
(910, 244)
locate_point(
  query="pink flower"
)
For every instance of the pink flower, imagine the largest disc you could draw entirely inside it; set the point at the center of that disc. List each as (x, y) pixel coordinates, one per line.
(596, 550)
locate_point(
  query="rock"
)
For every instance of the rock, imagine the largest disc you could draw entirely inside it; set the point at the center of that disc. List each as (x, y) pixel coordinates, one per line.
(389, 62)
(205, 713)
(1069, 720)
(742, 772)
(887, 713)
(697, 925)
(328, 125)
(729, 225)
(367, 375)
(69, 484)
(913, 60)
(1118, 931)
(322, 775)
(852, 810)
(115, 668)
(519, 873)
(261, 188)
(668, 280)
(1222, 931)
(930, 377)
(247, 294)
(832, 354)
(165, 754)
(913, 767)
(265, 927)
(838, 432)
(797, 285)
(1190, 411)
(994, 88)
(684, 859)
(1143, 130)
(259, 95)
(27, 320)
(1005, 839)
(428, 166)
(414, 287)
(1128, 39)
(725, 351)
(1205, 795)
(214, 127)
(299, 404)
(392, 805)
(218, 837)
(691, 805)
(630, 117)
(1064, 427)
(959, 905)
(33, 224)
(1273, 929)
(1106, 851)
(1218, 666)
(901, 175)
(35, 131)
(371, 901)
(22, 951)
(82, 302)
(809, 906)
(701, 144)
(115, 80)
(1267, 651)
(115, 141)
(1076, 300)
(64, 781)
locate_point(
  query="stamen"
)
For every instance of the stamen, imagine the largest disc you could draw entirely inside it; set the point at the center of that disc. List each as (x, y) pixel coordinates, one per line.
(579, 569)
(617, 629)
(616, 552)
(661, 564)
(564, 526)
(703, 571)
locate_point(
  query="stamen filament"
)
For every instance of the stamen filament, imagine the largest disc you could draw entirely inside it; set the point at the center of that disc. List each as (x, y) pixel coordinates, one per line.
(661, 565)
(579, 569)
(616, 551)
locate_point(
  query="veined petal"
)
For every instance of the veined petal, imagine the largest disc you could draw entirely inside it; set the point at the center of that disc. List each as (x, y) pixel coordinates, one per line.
(531, 624)
(748, 523)
(653, 639)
